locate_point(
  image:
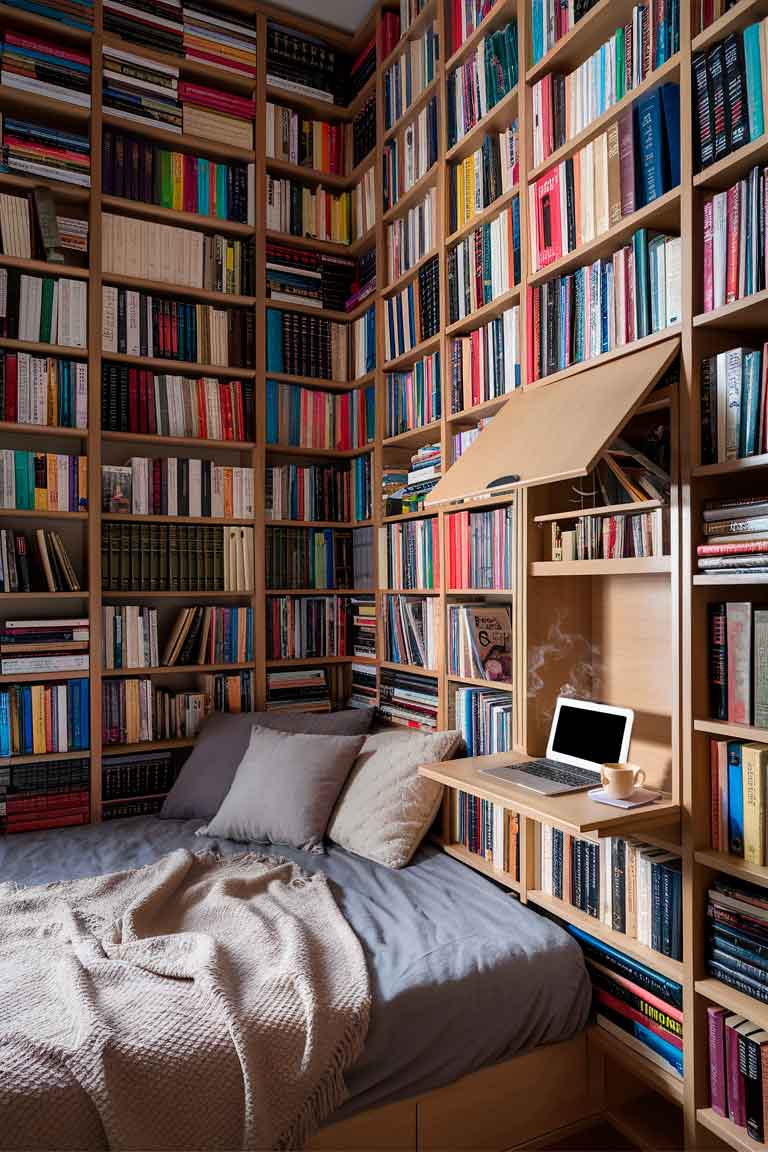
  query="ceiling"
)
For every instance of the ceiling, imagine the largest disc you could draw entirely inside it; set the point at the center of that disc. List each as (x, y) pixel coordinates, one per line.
(345, 14)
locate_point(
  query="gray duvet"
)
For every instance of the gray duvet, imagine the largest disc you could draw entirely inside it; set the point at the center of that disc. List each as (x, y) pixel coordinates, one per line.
(462, 975)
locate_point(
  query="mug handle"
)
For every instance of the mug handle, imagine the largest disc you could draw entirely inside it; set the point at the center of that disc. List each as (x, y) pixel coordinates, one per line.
(639, 779)
(603, 776)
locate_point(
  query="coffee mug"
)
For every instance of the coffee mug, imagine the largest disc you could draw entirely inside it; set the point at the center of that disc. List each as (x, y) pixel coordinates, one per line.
(620, 780)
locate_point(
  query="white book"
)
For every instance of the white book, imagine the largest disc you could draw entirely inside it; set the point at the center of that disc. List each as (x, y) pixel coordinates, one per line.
(41, 88)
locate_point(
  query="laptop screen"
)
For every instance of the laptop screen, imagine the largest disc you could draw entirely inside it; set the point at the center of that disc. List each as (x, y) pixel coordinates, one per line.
(589, 734)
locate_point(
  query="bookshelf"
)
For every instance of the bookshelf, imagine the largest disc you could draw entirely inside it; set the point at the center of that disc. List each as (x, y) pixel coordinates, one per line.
(635, 628)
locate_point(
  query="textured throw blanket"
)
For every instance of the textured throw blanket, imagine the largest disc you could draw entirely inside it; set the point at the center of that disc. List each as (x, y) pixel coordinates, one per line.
(198, 1003)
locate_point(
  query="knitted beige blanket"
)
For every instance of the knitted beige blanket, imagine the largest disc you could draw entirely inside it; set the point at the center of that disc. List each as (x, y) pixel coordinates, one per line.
(198, 1003)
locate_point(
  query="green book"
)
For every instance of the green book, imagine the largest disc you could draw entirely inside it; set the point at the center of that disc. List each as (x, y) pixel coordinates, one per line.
(46, 311)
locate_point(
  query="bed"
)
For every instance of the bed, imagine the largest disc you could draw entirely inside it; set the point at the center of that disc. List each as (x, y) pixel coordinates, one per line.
(463, 977)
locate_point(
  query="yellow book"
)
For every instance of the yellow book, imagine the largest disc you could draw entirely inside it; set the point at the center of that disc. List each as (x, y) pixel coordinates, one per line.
(178, 182)
(41, 494)
(754, 761)
(53, 391)
(38, 718)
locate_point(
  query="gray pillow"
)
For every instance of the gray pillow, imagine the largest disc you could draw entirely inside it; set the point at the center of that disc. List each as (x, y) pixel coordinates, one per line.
(285, 788)
(386, 808)
(208, 773)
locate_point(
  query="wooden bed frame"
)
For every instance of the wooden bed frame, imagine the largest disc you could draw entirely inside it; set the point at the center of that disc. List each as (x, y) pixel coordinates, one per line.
(520, 1102)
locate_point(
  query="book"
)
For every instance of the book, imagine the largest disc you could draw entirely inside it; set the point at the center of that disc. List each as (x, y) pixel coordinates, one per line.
(307, 627)
(482, 80)
(484, 265)
(734, 239)
(43, 309)
(176, 557)
(413, 70)
(207, 408)
(44, 391)
(44, 718)
(410, 154)
(412, 315)
(485, 364)
(331, 421)
(729, 82)
(314, 212)
(411, 237)
(410, 555)
(178, 486)
(480, 641)
(414, 396)
(410, 635)
(408, 699)
(480, 548)
(484, 718)
(34, 150)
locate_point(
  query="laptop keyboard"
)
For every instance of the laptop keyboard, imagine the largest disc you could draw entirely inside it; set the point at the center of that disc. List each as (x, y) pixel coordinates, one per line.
(559, 773)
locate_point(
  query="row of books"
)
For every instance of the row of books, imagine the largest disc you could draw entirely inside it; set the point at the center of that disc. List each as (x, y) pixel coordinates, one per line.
(364, 344)
(405, 490)
(338, 491)
(738, 779)
(630, 887)
(364, 204)
(410, 630)
(481, 549)
(485, 264)
(738, 936)
(313, 278)
(481, 81)
(412, 236)
(198, 31)
(408, 698)
(140, 324)
(145, 91)
(73, 13)
(304, 627)
(137, 400)
(364, 637)
(484, 717)
(614, 536)
(485, 364)
(480, 178)
(735, 237)
(309, 558)
(135, 711)
(176, 558)
(43, 309)
(31, 228)
(298, 62)
(43, 481)
(414, 70)
(551, 20)
(145, 774)
(411, 554)
(332, 421)
(181, 256)
(317, 212)
(622, 170)
(35, 150)
(362, 557)
(304, 345)
(364, 132)
(480, 641)
(45, 567)
(463, 17)
(414, 396)
(734, 536)
(37, 719)
(635, 1004)
(607, 304)
(460, 441)
(413, 314)
(54, 794)
(296, 139)
(32, 64)
(728, 94)
(177, 486)
(409, 155)
(738, 1068)
(487, 830)
(363, 689)
(201, 635)
(145, 171)
(565, 105)
(738, 635)
(306, 689)
(43, 390)
(34, 646)
(734, 386)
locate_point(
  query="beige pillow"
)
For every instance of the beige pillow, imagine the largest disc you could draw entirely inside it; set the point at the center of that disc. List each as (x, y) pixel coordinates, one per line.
(386, 808)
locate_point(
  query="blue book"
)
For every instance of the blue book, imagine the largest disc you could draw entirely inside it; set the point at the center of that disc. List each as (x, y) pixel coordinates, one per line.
(272, 419)
(648, 134)
(670, 103)
(754, 81)
(46, 58)
(516, 238)
(203, 187)
(750, 404)
(51, 13)
(275, 361)
(634, 970)
(735, 799)
(642, 310)
(25, 720)
(5, 725)
(85, 713)
(73, 715)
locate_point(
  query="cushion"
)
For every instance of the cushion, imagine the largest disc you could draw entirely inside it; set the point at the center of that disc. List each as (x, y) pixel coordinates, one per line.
(209, 771)
(285, 788)
(386, 808)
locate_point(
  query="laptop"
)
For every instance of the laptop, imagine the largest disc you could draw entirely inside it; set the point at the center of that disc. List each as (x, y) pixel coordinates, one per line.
(584, 736)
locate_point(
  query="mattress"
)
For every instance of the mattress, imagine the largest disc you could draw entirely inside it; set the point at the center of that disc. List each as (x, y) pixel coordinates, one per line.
(462, 974)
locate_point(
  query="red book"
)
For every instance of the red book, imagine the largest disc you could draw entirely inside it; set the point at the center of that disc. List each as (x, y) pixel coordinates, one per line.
(226, 416)
(44, 802)
(731, 549)
(714, 791)
(716, 1035)
(157, 498)
(237, 389)
(736, 1096)
(11, 388)
(143, 404)
(211, 58)
(763, 445)
(149, 380)
(133, 399)
(627, 163)
(189, 185)
(733, 208)
(549, 238)
(238, 106)
(39, 823)
(630, 1013)
(709, 284)
(47, 48)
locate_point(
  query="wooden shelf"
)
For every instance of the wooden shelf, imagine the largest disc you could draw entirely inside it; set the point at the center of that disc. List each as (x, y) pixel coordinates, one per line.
(719, 993)
(728, 731)
(415, 353)
(15, 181)
(409, 591)
(642, 566)
(475, 861)
(485, 408)
(414, 669)
(666, 1082)
(321, 383)
(662, 214)
(313, 661)
(500, 14)
(43, 677)
(308, 175)
(334, 453)
(734, 866)
(650, 1123)
(487, 312)
(505, 592)
(179, 367)
(317, 523)
(733, 579)
(53, 430)
(148, 746)
(289, 240)
(412, 194)
(180, 441)
(22, 103)
(605, 510)
(483, 216)
(415, 107)
(594, 28)
(412, 32)
(673, 969)
(39, 349)
(307, 309)
(44, 757)
(66, 271)
(727, 171)
(137, 518)
(363, 243)
(134, 799)
(739, 16)
(174, 669)
(403, 516)
(747, 314)
(318, 592)
(173, 216)
(575, 811)
(608, 357)
(494, 120)
(179, 141)
(37, 514)
(727, 467)
(47, 28)
(134, 594)
(474, 682)
(414, 436)
(32, 598)
(726, 1130)
(168, 288)
(409, 274)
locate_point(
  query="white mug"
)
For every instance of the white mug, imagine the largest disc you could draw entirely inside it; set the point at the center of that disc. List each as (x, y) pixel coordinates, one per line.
(620, 780)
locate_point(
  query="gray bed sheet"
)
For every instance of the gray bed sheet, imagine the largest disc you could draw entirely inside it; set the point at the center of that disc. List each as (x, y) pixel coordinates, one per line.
(462, 975)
